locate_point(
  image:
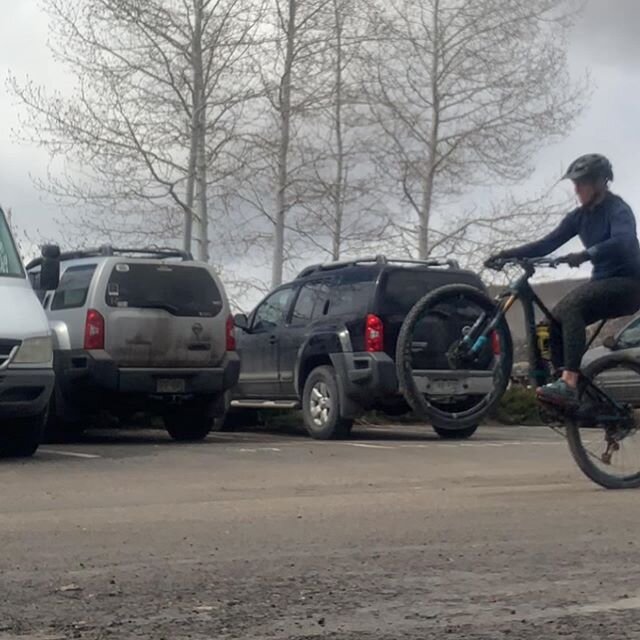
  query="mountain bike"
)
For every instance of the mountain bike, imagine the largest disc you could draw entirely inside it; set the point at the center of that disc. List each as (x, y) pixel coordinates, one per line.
(454, 362)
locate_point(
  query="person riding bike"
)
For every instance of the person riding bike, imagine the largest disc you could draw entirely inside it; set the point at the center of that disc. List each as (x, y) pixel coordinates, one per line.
(606, 226)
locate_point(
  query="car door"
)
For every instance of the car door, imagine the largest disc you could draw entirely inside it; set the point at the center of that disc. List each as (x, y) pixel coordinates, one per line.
(310, 304)
(258, 347)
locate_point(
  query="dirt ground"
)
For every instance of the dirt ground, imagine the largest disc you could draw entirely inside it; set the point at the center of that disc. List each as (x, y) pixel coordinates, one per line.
(393, 535)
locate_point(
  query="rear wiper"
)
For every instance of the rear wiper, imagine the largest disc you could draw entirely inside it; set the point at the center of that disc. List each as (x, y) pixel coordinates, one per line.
(159, 305)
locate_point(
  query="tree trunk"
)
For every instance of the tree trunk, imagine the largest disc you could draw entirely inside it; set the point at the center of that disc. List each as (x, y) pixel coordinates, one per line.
(283, 150)
(431, 165)
(199, 110)
(191, 178)
(338, 191)
(203, 210)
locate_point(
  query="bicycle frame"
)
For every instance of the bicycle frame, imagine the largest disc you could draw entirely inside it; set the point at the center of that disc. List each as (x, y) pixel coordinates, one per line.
(521, 290)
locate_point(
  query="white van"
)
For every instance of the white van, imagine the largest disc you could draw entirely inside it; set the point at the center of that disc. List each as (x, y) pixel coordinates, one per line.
(26, 355)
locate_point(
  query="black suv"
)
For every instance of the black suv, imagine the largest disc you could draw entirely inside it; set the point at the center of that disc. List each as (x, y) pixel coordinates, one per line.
(326, 342)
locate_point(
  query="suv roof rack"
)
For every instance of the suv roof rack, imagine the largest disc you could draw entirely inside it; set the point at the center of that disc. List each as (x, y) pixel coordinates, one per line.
(379, 259)
(106, 250)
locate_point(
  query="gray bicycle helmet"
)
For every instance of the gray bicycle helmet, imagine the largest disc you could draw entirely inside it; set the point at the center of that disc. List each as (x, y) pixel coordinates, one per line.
(590, 167)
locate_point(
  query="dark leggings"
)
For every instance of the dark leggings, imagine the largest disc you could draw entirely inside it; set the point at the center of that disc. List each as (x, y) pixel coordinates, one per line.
(586, 304)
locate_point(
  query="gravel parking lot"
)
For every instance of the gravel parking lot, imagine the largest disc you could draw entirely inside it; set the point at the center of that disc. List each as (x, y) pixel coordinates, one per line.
(392, 535)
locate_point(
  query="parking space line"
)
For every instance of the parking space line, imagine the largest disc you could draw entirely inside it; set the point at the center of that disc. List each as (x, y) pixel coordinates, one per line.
(481, 444)
(506, 443)
(366, 446)
(70, 454)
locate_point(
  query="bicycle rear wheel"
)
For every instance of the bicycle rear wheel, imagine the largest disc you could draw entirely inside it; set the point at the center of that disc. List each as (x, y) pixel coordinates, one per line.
(438, 386)
(604, 437)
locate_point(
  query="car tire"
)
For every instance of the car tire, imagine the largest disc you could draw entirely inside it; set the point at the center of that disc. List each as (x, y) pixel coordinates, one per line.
(59, 430)
(21, 437)
(237, 420)
(395, 410)
(456, 434)
(188, 424)
(321, 406)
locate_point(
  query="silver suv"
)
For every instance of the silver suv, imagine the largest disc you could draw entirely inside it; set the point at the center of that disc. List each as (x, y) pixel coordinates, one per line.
(139, 330)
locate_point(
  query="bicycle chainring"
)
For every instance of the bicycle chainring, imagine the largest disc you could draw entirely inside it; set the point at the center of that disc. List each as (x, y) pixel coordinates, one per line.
(551, 416)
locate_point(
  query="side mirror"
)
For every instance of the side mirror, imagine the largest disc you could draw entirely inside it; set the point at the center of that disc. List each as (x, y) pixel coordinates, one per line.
(610, 343)
(50, 268)
(50, 251)
(241, 321)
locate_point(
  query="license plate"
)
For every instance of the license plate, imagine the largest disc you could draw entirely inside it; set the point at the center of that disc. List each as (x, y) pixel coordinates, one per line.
(443, 387)
(171, 385)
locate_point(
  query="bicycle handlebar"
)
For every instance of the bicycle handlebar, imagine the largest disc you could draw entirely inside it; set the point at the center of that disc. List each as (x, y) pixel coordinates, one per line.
(552, 263)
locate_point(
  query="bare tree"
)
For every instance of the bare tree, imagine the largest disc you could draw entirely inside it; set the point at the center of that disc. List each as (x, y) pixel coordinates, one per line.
(465, 92)
(342, 207)
(295, 86)
(25, 241)
(511, 221)
(149, 137)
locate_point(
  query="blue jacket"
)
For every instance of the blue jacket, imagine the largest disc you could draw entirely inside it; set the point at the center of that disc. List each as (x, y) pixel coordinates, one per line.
(608, 232)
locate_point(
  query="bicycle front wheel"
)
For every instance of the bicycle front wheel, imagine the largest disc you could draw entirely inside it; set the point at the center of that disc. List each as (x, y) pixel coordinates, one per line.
(604, 436)
(440, 387)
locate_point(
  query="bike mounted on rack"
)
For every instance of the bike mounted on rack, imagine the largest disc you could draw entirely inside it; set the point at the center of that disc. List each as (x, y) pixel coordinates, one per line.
(454, 363)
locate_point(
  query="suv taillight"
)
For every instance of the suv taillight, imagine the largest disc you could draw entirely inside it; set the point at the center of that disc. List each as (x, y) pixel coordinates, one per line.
(94, 331)
(231, 337)
(374, 334)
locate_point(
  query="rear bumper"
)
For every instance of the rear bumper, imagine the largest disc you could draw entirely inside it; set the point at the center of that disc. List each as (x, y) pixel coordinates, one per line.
(368, 379)
(86, 375)
(25, 392)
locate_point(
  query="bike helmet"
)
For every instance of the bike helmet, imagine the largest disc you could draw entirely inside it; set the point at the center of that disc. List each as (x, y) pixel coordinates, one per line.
(590, 167)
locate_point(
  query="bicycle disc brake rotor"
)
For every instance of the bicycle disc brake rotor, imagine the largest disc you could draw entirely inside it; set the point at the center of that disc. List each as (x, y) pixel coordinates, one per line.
(459, 354)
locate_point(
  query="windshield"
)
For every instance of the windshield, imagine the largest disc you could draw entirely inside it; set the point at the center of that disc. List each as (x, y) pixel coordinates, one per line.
(10, 263)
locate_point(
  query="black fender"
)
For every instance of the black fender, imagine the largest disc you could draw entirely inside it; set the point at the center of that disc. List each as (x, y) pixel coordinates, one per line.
(328, 346)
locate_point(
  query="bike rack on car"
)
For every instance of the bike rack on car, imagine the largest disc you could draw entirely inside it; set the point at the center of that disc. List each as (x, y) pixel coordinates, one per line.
(379, 259)
(159, 253)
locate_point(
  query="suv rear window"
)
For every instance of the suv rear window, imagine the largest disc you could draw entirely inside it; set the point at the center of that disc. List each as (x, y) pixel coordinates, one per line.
(180, 290)
(73, 288)
(402, 288)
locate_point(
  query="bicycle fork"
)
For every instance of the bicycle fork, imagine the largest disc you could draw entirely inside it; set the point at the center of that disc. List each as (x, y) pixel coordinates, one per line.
(478, 342)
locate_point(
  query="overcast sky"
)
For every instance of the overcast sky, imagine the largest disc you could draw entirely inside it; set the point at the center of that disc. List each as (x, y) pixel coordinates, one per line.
(605, 42)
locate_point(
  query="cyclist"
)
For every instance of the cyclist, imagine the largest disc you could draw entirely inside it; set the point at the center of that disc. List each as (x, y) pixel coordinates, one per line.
(607, 228)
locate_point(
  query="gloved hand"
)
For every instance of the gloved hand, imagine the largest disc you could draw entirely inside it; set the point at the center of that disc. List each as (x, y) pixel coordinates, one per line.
(497, 259)
(576, 259)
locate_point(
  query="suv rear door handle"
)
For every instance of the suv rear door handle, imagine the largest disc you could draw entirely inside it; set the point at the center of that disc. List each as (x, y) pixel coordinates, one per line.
(273, 339)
